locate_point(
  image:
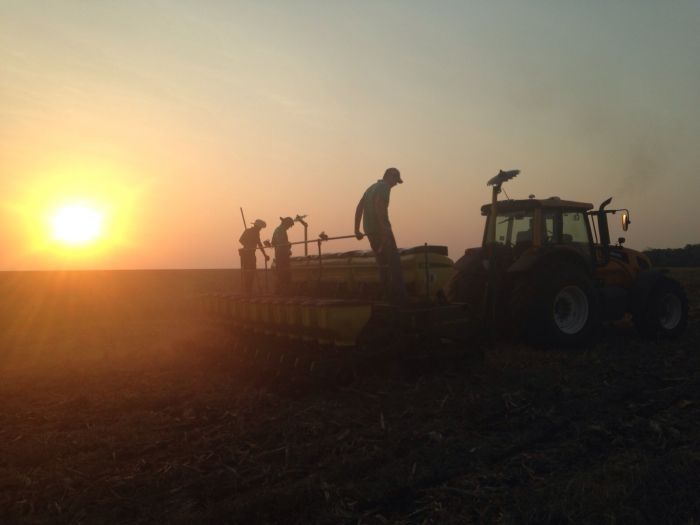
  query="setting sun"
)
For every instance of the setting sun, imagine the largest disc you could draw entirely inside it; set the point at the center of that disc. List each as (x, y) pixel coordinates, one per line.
(76, 225)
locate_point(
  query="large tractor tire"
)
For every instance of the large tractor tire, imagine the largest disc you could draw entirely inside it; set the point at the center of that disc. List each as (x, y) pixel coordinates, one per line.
(665, 312)
(562, 310)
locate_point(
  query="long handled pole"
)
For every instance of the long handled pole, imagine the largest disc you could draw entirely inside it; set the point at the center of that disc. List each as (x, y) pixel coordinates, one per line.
(266, 287)
(242, 275)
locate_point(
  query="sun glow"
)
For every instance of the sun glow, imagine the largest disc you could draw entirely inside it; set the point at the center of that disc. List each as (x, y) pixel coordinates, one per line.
(74, 212)
(77, 225)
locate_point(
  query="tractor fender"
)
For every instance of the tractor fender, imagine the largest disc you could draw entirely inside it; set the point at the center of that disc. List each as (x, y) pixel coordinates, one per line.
(639, 293)
(549, 258)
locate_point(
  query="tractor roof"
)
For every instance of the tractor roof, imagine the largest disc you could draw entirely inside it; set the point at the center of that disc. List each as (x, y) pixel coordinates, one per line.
(531, 204)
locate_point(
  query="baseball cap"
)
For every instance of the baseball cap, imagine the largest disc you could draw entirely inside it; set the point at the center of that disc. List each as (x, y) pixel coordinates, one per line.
(393, 173)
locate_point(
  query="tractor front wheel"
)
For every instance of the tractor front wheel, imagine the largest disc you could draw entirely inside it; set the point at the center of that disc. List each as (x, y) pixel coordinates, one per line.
(665, 313)
(564, 309)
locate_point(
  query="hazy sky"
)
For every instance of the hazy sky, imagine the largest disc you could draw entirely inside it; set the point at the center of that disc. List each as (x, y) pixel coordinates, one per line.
(172, 115)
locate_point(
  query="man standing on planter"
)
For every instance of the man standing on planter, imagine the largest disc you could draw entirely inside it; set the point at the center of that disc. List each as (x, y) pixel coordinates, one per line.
(373, 210)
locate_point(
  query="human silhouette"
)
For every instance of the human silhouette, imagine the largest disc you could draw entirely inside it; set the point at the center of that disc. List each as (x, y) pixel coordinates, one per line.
(373, 210)
(283, 252)
(250, 240)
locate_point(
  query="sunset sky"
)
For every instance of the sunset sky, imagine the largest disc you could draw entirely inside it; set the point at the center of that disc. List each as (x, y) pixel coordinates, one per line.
(164, 118)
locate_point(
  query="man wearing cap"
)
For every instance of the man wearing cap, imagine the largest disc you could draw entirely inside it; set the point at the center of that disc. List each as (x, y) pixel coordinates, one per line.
(283, 252)
(373, 209)
(250, 239)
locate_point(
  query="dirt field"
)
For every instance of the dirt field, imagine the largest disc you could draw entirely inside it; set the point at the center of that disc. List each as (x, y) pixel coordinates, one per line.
(116, 406)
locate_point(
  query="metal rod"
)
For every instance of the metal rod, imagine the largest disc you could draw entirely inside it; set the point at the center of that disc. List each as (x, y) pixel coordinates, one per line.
(427, 274)
(320, 239)
(320, 261)
(242, 271)
(266, 286)
(338, 237)
(490, 298)
(300, 218)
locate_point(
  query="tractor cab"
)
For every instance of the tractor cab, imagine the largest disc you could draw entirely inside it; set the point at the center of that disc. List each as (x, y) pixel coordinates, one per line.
(531, 229)
(539, 226)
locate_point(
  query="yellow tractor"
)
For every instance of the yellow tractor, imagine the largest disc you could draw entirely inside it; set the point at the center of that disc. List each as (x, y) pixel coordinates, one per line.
(547, 266)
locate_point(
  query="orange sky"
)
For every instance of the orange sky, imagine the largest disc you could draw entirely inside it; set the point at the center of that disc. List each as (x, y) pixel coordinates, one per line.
(169, 117)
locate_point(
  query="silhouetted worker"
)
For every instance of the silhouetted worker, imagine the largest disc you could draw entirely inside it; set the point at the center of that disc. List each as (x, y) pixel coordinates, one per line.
(250, 239)
(283, 252)
(373, 209)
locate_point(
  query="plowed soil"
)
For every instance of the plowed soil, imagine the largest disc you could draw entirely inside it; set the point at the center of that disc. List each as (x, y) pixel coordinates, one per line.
(116, 406)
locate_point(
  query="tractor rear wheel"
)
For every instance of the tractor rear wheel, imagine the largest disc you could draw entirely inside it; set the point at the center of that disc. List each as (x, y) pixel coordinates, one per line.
(665, 313)
(563, 310)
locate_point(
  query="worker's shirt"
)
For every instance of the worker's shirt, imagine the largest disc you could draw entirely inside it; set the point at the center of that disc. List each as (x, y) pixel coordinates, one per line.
(279, 236)
(380, 191)
(280, 240)
(250, 239)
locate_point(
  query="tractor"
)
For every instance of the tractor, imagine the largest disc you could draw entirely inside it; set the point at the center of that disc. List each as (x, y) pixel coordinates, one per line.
(549, 268)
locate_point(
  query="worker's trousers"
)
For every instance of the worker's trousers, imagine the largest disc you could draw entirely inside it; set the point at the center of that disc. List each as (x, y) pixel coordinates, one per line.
(248, 270)
(283, 271)
(390, 272)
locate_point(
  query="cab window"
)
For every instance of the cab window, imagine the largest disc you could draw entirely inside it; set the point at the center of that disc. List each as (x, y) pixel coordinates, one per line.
(574, 228)
(514, 228)
(564, 227)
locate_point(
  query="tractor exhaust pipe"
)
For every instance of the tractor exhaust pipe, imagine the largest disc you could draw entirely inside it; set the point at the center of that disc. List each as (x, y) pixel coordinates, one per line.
(604, 231)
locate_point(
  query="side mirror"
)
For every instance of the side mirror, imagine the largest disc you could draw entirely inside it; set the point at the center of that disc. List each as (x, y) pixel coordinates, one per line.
(625, 221)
